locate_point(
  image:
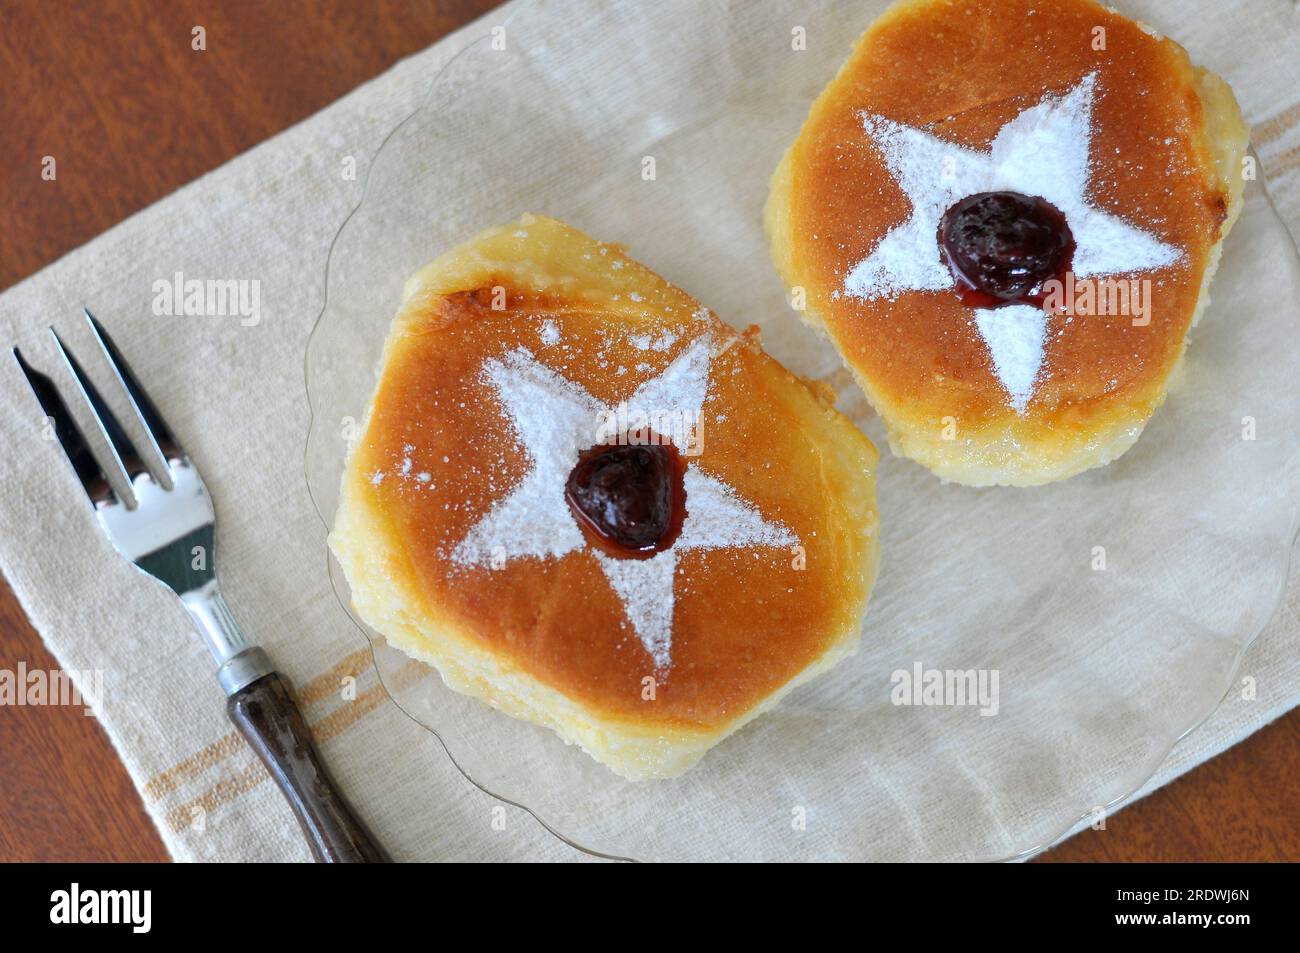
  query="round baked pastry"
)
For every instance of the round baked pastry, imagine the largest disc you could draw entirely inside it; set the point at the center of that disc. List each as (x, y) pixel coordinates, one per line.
(1005, 214)
(587, 501)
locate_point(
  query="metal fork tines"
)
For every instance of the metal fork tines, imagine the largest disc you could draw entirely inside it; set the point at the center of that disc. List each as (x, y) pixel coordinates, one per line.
(164, 526)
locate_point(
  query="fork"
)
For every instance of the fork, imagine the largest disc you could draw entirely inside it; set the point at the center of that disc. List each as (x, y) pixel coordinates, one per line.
(166, 529)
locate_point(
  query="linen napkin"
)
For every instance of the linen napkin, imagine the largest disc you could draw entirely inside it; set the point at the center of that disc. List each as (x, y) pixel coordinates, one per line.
(232, 388)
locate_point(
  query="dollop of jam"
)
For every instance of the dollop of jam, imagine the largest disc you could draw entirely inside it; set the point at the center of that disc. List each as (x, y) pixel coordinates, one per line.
(1003, 247)
(630, 500)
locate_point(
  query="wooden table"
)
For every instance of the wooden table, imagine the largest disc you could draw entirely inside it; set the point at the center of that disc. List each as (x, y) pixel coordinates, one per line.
(113, 90)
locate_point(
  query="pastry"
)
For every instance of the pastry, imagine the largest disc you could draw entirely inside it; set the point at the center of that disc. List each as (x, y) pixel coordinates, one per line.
(1005, 214)
(590, 503)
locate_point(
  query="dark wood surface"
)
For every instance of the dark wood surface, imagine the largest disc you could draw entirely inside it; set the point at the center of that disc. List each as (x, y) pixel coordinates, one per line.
(113, 90)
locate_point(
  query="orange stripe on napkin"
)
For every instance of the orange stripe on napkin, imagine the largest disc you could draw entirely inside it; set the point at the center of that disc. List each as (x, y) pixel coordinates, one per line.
(250, 777)
(1285, 162)
(320, 687)
(1276, 127)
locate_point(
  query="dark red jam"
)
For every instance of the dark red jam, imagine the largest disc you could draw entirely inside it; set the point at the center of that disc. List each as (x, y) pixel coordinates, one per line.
(629, 500)
(1003, 247)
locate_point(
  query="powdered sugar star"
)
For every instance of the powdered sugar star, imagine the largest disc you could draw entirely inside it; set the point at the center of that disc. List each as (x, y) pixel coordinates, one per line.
(555, 420)
(1043, 152)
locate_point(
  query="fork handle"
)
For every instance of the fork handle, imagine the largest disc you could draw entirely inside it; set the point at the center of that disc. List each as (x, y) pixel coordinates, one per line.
(266, 714)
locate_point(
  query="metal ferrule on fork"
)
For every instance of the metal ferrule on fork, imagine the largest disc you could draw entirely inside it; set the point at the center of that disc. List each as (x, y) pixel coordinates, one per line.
(239, 663)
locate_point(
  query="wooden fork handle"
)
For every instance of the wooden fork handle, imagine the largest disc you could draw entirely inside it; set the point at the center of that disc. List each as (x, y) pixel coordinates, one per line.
(266, 714)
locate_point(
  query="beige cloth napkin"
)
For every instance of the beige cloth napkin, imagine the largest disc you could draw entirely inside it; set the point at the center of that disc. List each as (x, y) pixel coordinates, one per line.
(235, 392)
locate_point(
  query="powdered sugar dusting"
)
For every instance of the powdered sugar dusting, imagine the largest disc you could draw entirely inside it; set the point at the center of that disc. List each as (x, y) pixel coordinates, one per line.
(645, 587)
(649, 342)
(404, 472)
(1044, 151)
(555, 419)
(716, 518)
(551, 417)
(1015, 336)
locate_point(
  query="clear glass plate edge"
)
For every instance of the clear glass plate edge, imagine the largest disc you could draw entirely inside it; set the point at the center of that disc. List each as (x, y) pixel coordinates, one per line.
(1284, 573)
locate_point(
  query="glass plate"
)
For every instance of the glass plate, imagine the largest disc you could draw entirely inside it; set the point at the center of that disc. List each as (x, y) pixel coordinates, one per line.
(1100, 671)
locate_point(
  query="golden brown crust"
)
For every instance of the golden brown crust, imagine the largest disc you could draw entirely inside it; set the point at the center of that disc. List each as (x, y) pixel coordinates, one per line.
(1166, 152)
(547, 639)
